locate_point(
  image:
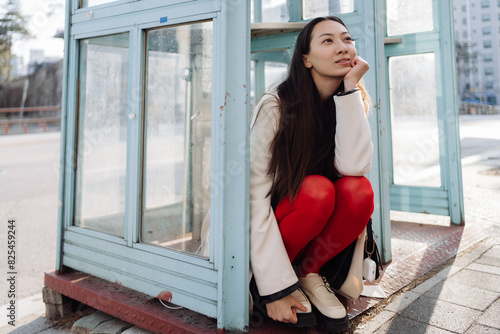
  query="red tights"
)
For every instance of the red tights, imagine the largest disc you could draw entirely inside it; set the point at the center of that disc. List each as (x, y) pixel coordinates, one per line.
(324, 219)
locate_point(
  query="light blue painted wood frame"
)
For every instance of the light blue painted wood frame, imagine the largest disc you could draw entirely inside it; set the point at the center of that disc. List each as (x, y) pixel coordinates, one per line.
(234, 229)
(367, 27)
(448, 198)
(217, 287)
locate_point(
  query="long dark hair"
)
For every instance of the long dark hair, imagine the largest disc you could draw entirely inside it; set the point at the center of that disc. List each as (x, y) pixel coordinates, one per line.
(304, 143)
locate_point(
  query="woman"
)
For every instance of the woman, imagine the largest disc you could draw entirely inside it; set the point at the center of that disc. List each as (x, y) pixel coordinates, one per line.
(310, 147)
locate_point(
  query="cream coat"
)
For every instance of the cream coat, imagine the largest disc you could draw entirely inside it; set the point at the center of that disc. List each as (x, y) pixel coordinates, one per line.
(271, 267)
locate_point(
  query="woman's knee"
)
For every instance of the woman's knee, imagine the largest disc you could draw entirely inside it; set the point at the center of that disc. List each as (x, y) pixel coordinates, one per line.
(358, 190)
(318, 194)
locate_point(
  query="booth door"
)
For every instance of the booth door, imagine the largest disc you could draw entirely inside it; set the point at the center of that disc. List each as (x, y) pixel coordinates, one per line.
(425, 170)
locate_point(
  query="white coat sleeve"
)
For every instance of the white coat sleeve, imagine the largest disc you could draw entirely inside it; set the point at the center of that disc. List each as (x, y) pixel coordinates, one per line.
(269, 260)
(353, 140)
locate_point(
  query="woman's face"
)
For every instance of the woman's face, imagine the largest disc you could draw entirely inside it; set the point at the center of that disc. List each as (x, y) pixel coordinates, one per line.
(331, 51)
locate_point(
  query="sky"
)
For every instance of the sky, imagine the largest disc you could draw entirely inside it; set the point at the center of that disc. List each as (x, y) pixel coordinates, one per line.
(42, 25)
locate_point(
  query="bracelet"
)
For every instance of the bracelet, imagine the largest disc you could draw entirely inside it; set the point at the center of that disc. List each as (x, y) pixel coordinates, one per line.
(348, 92)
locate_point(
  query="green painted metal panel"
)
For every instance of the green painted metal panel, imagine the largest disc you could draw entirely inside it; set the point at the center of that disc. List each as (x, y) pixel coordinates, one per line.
(423, 200)
(105, 25)
(454, 169)
(193, 302)
(64, 168)
(159, 8)
(233, 313)
(413, 44)
(70, 140)
(115, 263)
(295, 10)
(134, 130)
(375, 84)
(275, 42)
(141, 253)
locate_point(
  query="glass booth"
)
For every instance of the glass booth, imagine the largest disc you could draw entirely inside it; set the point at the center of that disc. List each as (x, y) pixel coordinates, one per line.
(156, 107)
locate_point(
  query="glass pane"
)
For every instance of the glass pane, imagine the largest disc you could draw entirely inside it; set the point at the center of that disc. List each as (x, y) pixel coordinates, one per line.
(414, 124)
(408, 16)
(89, 3)
(178, 122)
(102, 134)
(270, 11)
(267, 70)
(315, 8)
(275, 73)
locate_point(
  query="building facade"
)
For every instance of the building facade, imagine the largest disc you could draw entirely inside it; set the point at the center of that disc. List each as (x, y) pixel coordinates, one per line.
(477, 41)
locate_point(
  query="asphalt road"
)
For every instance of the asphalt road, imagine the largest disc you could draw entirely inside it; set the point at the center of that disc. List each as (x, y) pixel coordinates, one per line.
(29, 181)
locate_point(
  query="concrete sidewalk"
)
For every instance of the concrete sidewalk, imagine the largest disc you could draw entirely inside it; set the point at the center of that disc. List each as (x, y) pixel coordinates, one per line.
(461, 298)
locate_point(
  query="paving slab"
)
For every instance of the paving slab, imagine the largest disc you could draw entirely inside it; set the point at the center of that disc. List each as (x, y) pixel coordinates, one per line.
(484, 268)
(488, 260)
(400, 325)
(480, 329)
(429, 284)
(464, 295)
(491, 317)
(113, 326)
(88, 323)
(493, 252)
(466, 259)
(452, 317)
(375, 323)
(477, 279)
(449, 271)
(402, 301)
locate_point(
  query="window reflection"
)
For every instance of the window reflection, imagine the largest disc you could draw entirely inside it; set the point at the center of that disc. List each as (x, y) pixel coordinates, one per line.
(178, 91)
(89, 3)
(315, 8)
(414, 123)
(102, 134)
(408, 16)
(270, 11)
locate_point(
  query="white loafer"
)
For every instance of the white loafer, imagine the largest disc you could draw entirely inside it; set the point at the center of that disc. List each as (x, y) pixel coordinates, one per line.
(301, 297)
(330, 312)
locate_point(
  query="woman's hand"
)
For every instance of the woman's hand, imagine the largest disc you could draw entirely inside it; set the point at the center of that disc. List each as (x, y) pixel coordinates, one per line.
(358, 68)
(284, 309)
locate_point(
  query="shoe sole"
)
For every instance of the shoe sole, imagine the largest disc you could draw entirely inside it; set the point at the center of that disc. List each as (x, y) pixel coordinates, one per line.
(331, 324)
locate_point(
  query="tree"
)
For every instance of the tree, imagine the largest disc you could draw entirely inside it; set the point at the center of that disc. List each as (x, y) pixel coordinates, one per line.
(12, 26)
(465, 58)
